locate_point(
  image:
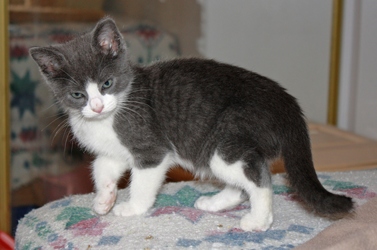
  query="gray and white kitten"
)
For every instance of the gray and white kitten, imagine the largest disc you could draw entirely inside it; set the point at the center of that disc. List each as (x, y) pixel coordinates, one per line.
(213, 119)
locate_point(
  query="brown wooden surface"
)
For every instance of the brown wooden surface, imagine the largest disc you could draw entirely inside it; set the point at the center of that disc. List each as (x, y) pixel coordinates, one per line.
(55, 11)
(179, 174)
(337, 150)
(20, 14)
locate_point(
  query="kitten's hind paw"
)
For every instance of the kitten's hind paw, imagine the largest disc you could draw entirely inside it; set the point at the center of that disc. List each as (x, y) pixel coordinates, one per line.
(206, 203)
(252, 223)
(226, 199)
(127, 209)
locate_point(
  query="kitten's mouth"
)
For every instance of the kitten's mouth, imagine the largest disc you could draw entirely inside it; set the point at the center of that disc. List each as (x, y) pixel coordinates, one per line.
(98, 115)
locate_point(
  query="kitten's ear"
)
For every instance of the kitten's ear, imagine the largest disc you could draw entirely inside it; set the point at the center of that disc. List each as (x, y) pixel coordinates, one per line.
(49, 60)
(107, 38)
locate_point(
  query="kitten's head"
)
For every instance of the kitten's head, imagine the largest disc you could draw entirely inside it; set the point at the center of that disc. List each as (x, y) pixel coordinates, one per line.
(89, 75)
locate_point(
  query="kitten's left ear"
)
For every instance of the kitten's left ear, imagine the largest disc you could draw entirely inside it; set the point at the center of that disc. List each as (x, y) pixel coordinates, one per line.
(107, 38)
(49, 60)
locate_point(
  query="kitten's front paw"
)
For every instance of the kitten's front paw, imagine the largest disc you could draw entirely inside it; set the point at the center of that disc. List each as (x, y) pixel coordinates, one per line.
(127, 209)
(104, 201)
(253, 223)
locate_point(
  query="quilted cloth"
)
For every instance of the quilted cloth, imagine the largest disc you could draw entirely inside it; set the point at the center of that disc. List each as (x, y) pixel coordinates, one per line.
(174, 223)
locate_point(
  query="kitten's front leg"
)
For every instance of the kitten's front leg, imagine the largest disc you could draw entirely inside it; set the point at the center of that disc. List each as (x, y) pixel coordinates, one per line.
(106, 173)
(144, 186)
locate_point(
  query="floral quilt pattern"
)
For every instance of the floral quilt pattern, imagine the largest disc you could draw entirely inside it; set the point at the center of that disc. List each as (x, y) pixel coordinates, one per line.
(174, 223)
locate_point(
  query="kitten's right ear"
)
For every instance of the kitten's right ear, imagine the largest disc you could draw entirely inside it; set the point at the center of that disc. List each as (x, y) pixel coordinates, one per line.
(107, 38)
(49, 60)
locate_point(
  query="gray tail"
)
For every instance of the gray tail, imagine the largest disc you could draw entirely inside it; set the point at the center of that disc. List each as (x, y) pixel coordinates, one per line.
(299, 166)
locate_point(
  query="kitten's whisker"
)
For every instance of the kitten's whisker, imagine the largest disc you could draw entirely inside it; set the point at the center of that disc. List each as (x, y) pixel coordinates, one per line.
(60, 114)
(123, 117)
(58, 129)
(133, 91)
(136, 107)
(60, 126)
(66, 137)
(72, 140)
(140, 103)
(57, 118)
(137, 98)
(55, 103)
(131, 114)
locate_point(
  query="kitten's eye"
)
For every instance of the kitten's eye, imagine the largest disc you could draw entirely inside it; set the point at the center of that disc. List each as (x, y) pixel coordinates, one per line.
(77, 95)
(107, 84)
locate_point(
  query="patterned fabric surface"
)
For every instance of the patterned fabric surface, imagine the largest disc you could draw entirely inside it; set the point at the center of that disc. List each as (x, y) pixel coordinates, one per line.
(173, 222)
(40, 141)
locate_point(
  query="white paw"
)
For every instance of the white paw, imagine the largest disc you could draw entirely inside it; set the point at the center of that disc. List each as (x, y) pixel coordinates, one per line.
(254, 223)
(127, 209)
(206, 203)
(105, 200)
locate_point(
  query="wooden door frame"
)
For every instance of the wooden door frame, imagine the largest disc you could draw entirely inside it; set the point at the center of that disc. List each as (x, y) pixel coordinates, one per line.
(335, 57)
(5, 209)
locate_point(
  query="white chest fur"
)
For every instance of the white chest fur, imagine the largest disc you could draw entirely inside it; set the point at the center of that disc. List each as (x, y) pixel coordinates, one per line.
(99, 137)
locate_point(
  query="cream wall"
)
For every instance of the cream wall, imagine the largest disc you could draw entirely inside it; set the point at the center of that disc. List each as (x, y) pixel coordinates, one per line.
(365, 121)
(288, 41)
(358, 81)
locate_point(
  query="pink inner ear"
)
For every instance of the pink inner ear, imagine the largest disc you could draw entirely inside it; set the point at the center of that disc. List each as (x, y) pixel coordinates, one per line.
(50, 66)
(105, 44)
(109, 45)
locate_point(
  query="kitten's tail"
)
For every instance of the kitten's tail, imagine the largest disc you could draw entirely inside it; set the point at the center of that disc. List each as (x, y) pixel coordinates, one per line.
(302, 176)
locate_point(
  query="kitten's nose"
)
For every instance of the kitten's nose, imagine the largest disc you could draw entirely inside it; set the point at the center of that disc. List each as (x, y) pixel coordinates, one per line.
(96, 105)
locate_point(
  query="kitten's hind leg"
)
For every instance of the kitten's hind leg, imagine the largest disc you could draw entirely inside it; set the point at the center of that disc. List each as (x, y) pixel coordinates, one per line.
(106, 173)
(228, 198)
(144, 186)
(260, 217)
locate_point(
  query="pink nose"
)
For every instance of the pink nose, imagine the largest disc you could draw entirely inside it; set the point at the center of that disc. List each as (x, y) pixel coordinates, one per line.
(96, 105)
